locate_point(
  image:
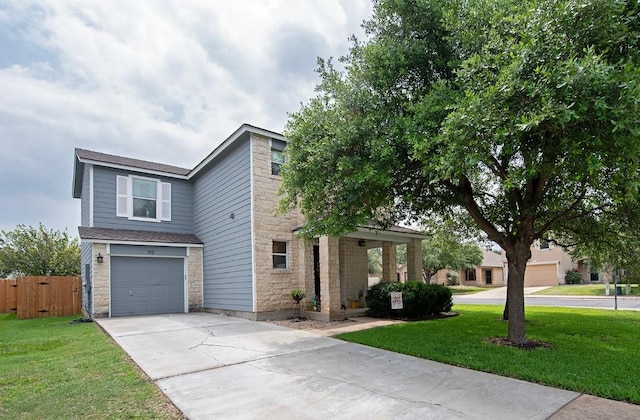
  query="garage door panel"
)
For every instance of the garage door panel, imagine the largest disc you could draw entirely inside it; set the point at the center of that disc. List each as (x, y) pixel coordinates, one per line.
(143, 286)
(541, 275)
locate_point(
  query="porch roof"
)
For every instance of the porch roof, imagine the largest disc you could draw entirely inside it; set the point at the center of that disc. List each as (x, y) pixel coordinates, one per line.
(374, 234)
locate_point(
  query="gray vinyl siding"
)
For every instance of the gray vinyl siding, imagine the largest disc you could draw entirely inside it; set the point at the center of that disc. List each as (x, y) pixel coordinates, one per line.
(85, 198)
(223, 189)
(87, 280)
(148, 251)
(104, 204)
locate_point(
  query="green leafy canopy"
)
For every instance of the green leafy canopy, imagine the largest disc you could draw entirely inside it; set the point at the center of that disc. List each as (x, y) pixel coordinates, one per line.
(32, 251)
(523, 115)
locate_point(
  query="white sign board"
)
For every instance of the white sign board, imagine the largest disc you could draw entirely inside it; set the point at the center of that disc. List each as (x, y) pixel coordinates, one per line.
(396, 300)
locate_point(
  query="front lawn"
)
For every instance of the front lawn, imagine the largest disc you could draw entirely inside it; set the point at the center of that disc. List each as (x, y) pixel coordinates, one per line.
(594, 351)
(586, 290)
(50, 368)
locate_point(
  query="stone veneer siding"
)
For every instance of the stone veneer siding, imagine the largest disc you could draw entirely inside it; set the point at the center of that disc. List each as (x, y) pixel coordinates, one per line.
(100, 286)
(353, 270)
(272, 286)
(331, 292)
(194, 277)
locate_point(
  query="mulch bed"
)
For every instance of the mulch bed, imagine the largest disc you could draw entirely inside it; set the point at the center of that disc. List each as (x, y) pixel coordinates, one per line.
(528, 345)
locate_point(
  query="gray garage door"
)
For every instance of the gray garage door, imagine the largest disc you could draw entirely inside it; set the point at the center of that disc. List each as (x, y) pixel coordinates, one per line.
(144, 286)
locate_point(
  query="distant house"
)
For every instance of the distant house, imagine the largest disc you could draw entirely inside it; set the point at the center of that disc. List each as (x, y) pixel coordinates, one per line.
(156, 238)
(546, 267)
(549, 263)
(491, 272)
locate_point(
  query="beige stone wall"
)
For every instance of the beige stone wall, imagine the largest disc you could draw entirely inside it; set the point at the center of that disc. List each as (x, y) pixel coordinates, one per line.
(389, 262)
(353, 269)
(100, 286)
(414, 260)
(330, 276)
(194, 277)
(273, 285)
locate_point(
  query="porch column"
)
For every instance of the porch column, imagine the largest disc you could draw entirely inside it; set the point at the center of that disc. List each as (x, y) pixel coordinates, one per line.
(414, 259)
(329, 275)
(389, 264)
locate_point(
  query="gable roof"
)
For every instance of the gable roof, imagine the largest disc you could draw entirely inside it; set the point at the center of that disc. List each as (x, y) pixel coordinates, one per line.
(83, 156)
(89, 156)
(492, 259)
(244, 128)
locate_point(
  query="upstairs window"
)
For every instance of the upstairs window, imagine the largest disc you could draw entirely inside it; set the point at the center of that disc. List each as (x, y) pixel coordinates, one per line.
(545, 245)
(280, 255)
(141, 198)
(277, 156)
(144, 198)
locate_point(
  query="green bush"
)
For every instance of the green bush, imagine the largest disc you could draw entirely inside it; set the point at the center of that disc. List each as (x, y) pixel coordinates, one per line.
(572, 277)
(419, 300)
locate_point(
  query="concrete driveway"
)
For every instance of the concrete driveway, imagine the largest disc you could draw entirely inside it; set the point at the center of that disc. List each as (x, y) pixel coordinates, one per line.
(213, 366)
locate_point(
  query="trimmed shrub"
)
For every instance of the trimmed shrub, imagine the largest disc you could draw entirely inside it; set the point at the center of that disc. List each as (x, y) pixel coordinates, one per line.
(572, 277)
(419, 300)
(379, 299)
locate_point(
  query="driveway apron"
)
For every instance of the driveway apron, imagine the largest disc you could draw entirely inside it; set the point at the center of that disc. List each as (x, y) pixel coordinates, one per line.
(214, 366)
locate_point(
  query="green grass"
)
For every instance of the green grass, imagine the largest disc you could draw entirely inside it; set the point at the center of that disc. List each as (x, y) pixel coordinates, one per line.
(467, 290)
(586, 290)
(594, 351)
(52, 369)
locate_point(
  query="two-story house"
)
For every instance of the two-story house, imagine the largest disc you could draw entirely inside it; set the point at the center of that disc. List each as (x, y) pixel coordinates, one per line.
(156, 238)
(547, 266)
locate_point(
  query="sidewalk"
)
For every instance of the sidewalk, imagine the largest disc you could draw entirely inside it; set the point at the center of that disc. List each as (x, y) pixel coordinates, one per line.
(583, 407)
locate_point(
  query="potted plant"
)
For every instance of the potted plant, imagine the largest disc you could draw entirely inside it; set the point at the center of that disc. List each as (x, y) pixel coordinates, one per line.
(297, 295)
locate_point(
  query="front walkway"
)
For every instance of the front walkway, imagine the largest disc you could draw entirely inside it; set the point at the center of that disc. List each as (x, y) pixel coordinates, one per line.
(213, 366)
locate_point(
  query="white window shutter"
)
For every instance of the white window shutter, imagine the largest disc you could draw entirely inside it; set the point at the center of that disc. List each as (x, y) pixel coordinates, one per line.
(122, 196)
(165, 199)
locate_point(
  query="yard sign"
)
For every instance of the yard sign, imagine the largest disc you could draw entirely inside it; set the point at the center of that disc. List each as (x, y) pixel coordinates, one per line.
(396, 300)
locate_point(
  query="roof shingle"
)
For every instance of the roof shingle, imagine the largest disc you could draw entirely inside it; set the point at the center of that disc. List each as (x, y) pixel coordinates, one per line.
(130, 162)
(126, 235)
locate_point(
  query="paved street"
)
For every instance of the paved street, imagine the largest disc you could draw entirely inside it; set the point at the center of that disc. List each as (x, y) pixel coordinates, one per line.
(497, 297)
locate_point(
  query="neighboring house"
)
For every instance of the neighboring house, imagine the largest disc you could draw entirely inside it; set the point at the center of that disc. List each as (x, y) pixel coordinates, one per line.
(549, 264)
(546, 267)
(491, 272)
(157, 238)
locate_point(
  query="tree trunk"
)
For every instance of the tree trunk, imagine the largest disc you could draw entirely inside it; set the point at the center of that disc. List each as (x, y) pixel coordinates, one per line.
(514, 309)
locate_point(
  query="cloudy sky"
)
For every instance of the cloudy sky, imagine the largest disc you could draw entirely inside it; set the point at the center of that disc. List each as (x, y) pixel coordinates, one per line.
(165, 81)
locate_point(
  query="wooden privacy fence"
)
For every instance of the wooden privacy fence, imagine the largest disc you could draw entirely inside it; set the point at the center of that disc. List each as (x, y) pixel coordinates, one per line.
(41, 296)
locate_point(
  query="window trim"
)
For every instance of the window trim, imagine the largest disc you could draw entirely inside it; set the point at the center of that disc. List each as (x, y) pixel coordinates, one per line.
(125, 209)
(280, 254)
(544, 245)
(471, 275)
(276, 163)
(276, 146)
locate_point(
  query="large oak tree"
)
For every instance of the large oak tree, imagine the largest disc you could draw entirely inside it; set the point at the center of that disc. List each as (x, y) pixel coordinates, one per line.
(524, 115)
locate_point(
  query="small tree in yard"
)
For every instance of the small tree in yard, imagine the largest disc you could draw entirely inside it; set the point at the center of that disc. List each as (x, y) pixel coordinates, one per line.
(524, 115)
(444, 250)
(31, 251)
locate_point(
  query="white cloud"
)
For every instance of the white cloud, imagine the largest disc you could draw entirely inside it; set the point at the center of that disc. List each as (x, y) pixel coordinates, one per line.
(146, 78)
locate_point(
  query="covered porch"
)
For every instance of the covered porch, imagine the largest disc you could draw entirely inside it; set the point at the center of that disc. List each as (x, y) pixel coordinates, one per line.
(340, 267)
